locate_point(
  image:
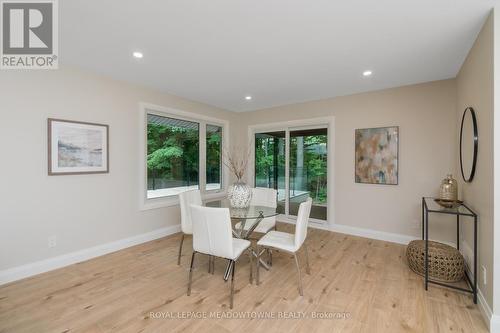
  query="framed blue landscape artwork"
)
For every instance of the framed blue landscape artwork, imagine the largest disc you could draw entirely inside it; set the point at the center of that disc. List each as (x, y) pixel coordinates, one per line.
(376, 155)
(76, 147)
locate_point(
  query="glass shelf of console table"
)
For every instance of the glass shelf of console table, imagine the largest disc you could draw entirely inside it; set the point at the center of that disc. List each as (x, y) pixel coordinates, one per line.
(429, 205)
(434, 207)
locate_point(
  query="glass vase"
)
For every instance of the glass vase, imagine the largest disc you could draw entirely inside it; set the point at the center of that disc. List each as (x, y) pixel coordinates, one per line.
(239, 195)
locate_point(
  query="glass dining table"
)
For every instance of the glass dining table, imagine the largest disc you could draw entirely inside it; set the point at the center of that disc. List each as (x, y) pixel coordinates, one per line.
(253, 214)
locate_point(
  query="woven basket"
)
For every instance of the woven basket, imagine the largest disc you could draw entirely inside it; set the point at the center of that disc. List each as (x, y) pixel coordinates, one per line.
(446, 264)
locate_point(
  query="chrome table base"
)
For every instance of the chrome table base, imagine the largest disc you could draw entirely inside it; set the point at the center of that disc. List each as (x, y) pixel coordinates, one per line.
(245, 234)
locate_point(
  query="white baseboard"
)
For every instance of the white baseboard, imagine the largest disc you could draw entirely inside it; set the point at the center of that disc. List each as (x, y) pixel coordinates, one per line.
(355, 231)
(495, 324)
(373, 234)
(491, 320)
(24, 271)
(485, 310)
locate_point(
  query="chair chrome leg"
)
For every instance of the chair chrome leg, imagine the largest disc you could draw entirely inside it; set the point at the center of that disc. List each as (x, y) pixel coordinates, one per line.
(213, 265)
(298, 271)
(308, 269)
(258, 266)
(250, 254)
(232, 285)
(269, 257)
(190, 274)
(180, 250)
(228, 270)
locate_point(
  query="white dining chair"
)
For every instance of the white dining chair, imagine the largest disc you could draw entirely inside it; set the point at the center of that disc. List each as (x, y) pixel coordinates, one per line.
(287, 242)
(213, 236)
(186, 199)
(267, 197)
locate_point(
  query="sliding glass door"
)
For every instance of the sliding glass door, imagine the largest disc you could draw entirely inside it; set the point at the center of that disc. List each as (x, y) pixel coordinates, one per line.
(270, 164)
(308, 170)
(294, 161)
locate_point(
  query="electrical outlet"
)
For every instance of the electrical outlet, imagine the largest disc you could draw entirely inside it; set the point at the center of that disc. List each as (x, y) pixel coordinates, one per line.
(483, 269)
(52, 241)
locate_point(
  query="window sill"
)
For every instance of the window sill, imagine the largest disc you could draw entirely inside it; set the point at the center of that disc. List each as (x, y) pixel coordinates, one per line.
(173, 200)
(162, 202)
(214, 195)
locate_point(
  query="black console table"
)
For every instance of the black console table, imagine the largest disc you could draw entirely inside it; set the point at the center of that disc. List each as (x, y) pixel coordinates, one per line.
(430, 206)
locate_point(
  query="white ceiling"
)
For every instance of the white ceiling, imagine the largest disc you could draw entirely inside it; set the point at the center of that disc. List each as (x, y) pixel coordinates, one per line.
(278, 51)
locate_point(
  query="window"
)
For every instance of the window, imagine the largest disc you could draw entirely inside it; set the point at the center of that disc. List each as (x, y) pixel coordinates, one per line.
(180, 151)
(172, 156)
(214, 161)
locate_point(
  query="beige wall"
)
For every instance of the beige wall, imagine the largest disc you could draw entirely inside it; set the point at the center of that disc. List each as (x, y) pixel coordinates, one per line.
(425, 114)
(475, 88)
(85, 210)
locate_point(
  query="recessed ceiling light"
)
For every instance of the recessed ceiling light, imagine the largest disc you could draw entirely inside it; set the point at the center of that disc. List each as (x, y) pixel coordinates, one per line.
(248, 98)
(138, 55)
(367, 73)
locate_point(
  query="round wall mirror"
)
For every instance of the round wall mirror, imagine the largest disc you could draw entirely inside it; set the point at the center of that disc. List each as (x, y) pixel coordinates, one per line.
(468, 144)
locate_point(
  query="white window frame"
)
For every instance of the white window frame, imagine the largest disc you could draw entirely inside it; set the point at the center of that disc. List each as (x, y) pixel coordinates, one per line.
(287, 126)
(203, 121)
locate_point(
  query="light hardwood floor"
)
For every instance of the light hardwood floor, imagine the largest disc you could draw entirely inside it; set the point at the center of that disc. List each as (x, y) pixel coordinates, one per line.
(368, 280)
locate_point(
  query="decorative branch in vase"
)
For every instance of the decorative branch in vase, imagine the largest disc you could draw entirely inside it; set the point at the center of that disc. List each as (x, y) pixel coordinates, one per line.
(236, 160)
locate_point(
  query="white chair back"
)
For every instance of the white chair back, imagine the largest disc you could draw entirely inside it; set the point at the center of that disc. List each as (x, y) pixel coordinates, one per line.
(186, 199)
(302, 222)
(212, 232)
(262, 196)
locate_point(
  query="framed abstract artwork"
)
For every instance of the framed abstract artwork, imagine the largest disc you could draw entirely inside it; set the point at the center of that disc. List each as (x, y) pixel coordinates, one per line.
(76, 147)
(377, 155)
